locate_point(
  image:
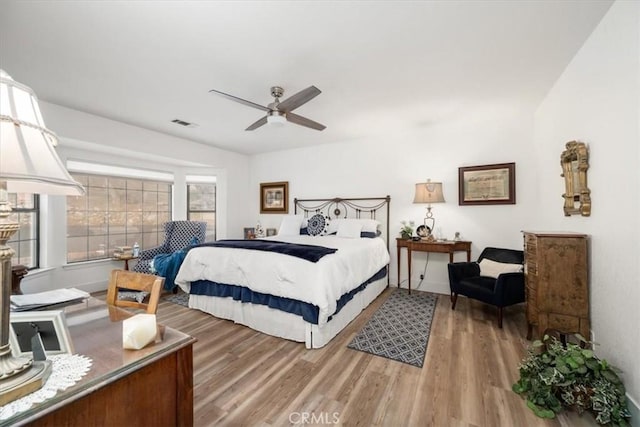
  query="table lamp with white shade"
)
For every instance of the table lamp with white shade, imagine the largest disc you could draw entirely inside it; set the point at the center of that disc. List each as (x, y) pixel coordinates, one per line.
(429, 192)
(28, 164)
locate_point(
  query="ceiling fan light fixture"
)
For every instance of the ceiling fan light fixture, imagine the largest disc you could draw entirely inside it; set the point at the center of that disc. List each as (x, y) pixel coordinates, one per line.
(276, 118)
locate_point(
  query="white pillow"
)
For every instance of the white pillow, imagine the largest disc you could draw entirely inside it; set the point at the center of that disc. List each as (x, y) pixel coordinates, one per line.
(368, 225)
(493, 269)
(349, 229)
(290, 225)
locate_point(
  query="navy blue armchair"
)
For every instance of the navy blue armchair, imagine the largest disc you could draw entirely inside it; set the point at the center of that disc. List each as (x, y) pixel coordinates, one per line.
(505, 290)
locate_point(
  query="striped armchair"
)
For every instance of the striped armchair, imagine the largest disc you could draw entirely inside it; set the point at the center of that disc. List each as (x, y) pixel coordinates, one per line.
(178, 235)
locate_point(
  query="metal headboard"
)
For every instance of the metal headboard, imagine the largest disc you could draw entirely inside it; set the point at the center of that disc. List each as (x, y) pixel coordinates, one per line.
(359, 207)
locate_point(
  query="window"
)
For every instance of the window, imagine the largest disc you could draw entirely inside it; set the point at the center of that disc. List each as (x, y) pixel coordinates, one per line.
(115, 211)
(25, 242)
(201, 206)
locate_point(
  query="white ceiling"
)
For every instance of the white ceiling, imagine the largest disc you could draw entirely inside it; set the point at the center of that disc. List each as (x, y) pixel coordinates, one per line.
(382, 66)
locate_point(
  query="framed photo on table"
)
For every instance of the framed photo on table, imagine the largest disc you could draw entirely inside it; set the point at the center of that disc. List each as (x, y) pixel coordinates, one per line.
(274, 197)
(249, 233)
(51, 325)
(487, 184)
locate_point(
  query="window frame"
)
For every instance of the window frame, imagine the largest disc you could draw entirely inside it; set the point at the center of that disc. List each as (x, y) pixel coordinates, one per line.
(215, 204)
(109, 234)
(16, 241)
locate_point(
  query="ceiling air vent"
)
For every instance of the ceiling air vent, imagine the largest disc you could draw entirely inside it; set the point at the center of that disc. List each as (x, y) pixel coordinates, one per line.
(183, 123)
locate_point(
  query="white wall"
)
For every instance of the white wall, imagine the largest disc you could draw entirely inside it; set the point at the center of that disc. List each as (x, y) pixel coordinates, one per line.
(596, 101)
(91, 138)
(393, 163)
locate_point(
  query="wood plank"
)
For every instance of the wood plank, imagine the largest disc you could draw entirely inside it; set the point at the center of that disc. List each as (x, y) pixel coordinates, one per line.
(243, 377)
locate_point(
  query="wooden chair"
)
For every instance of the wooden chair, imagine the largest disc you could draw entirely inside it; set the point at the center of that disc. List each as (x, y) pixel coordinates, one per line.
(133, 281)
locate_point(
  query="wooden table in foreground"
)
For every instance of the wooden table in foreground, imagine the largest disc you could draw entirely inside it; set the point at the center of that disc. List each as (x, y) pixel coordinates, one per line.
(448, 246)
(148, 387)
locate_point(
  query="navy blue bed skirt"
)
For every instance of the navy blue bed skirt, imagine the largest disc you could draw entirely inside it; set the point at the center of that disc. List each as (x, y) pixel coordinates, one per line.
(309, 312)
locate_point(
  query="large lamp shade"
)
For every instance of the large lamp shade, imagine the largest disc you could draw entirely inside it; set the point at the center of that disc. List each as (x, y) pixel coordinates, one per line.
(28, 160)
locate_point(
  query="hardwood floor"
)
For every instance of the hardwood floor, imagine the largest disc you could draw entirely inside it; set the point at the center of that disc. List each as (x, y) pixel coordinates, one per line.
(243, 377)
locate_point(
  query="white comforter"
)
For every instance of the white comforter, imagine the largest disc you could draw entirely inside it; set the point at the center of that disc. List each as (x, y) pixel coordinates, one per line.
(321, 283)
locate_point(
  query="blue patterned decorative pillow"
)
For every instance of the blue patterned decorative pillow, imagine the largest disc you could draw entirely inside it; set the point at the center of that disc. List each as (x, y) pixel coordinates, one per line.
(317, 225)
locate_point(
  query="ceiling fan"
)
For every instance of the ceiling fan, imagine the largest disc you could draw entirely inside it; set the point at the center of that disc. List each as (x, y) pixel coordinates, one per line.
(281, 112)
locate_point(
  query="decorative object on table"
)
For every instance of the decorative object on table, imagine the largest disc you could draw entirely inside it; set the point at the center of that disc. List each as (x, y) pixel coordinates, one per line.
(66, 370)
(122, 251)
(575, 163)
(139, 331)
(271, 232)
(560, 374)
(249, 233)
(177, 236)
(399, 329)
(487, 184)
(274, 197)
(259, 230)
(135, 251)
(280, 112)
(499, 275)
(28, 164)
(407, 229)
(457, 237)
(429, 192)
(423, 231)
(51, 325)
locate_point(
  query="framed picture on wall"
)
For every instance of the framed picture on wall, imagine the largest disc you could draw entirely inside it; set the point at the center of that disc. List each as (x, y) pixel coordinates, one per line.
(274, 197)
(487, 184)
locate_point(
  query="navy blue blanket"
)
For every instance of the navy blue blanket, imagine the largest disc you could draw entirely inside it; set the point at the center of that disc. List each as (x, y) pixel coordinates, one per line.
(167, 266)
(307, 311)
(307, 252)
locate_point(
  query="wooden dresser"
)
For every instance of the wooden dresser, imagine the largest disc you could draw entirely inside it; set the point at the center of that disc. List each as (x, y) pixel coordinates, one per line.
(148, 387)
(557, 286)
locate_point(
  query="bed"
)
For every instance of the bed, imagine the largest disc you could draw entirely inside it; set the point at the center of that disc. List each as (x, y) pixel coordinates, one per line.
(328, 262)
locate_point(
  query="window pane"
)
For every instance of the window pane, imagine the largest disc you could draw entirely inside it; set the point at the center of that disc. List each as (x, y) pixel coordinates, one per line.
(115, 212)
(118, 183)
(202, 206)
(97, 181)
(25, 241)
(97, 199)
(77, 224)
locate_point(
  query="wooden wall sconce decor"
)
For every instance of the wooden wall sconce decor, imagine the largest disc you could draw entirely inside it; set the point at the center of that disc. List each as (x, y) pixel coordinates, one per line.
(575, 163)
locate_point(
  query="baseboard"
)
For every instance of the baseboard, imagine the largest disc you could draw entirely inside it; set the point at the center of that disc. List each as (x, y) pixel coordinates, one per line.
(635, 411)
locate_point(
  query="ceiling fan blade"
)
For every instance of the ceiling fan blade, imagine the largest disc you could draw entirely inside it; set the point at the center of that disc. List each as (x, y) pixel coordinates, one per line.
(240, 100)
(303, 121)
(262, 121)
(302, 97)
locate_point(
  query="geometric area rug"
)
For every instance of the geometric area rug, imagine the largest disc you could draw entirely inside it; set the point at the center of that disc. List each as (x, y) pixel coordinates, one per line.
(181, 298)
(399, 329)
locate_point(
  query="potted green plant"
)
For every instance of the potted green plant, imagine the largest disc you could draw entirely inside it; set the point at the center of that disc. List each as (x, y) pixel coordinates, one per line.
(556, 375)
(407, 229)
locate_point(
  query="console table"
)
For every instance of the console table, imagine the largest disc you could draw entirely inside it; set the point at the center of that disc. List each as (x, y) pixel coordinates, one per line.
(151, 386)
(450, 247)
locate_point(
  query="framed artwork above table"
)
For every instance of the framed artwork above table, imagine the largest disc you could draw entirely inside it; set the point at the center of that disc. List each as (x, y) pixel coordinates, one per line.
(487, 184)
